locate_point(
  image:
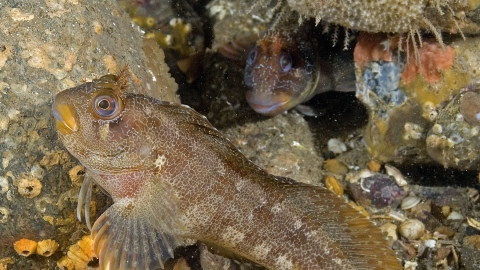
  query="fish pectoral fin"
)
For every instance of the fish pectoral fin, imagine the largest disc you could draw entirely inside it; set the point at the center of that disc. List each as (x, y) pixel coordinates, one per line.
(84, 197)
(125, 240)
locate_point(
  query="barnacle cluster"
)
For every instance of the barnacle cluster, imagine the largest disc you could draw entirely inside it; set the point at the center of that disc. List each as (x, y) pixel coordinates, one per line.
(175, 27)
(78, 255)
(453, 140)
(406, 96)
(27, 247)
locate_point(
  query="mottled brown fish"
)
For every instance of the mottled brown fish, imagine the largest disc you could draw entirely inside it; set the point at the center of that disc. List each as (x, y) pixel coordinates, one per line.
(289, 67)
(173, 177)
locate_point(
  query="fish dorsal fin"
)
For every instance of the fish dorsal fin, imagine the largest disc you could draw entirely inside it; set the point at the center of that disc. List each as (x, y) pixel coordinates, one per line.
(364, 244)
(124, 240)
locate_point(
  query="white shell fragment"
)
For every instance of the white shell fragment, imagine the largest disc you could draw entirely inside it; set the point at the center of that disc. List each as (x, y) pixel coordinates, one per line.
(431, 243)
(410, 201)
(473, 223)
(336, 146)
(454, 215)
(396, 174)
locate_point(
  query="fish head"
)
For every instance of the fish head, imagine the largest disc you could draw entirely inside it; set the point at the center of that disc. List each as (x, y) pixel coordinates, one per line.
(281, 73)
(101, 126)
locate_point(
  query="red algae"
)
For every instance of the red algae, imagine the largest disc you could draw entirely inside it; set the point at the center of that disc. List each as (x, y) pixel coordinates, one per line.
(432, 60)
(373, 47)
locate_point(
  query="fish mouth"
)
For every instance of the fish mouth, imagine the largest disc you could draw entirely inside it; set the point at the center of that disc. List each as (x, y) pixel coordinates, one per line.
(65, 117)
(271, 110)
(268, 105)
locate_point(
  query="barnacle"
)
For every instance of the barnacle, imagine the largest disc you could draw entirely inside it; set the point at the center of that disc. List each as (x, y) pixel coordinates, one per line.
(25, 247)
(65, 263)
(4, 214)
(29, 188)
(47, 247)
(77, 174)
(470, 107)
(78, 255)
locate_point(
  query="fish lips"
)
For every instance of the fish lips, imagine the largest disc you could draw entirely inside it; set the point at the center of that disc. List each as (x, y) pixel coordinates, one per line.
(268, 105)
(65, 117)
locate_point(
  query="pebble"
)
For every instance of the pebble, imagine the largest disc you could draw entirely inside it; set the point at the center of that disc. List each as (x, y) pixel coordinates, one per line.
(336, 146)
(412, 229)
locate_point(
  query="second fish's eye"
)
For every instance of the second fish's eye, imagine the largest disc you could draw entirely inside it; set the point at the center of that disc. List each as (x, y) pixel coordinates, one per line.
(252, 55)
(106, 106)
(286, 62)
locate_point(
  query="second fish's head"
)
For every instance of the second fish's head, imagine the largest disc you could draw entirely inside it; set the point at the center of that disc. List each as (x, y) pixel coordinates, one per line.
(281, 72)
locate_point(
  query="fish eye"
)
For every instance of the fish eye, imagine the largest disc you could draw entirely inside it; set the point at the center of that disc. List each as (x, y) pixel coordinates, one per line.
(252, 55)
(106, 107)
(286, 62)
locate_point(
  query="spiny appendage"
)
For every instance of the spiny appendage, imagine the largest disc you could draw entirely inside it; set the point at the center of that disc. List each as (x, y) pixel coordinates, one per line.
(335, 35)
(363, 244)
(84, 197)
(125, 241)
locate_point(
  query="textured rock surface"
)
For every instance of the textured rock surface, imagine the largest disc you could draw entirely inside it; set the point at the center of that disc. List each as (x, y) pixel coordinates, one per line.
(45, 47)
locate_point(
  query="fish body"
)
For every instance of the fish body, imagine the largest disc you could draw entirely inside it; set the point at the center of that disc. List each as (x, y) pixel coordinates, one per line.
(289, 67)
(174, 177)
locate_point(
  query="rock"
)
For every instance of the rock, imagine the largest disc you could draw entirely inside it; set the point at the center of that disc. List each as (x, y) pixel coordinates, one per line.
(46, 47)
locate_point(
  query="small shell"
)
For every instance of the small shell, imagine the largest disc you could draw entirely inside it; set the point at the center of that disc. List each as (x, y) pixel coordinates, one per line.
(331, 183)
(374, 166)
(473, 223)
(396, 174)
(454, 215)
(391, 230)
(472, 241)
(336, 146)
(410, 201)
(47, 247)
(335, 166)
(29, 188)
(431, 243)
(412, 229)
(25, 247)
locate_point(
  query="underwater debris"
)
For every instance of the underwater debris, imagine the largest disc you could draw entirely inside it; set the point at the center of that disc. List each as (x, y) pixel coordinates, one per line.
(453, 140)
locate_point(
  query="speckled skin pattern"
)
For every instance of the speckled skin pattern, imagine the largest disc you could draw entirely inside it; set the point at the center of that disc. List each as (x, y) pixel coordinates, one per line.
(282, 72)
(173, 176)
